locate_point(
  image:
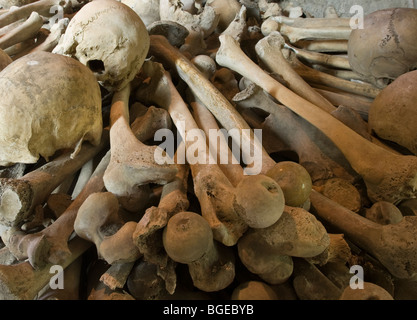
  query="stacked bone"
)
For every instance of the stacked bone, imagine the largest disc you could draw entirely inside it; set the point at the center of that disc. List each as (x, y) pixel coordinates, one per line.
(330, 186)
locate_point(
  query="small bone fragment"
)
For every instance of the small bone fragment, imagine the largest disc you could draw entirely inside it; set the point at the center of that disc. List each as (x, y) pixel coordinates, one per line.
(392, 245)
(370, 291)
(117, 274)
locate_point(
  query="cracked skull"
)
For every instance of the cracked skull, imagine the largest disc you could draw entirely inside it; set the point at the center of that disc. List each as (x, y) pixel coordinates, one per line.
(108, 37)
(48, 102)
(387, 45)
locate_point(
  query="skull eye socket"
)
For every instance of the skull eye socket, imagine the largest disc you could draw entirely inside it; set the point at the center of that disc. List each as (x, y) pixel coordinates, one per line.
(97, 66)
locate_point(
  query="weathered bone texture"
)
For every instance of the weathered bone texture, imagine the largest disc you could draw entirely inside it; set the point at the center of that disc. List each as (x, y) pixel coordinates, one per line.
(295, 34)
(226, 10)
(218, 105)
(323, 46)
(52, 40)
(108, 37)
(386, 47)
(371, 291)
(228, 212)
(20, 196)
(269, 51)
(50, 245)
(261, 259)
(393, 245)
(393, 179)
(205, 21)
(188, 239)
(321, 163)
(45, 121)
(147, 10)
(384, 212)
(22, 282)
(23, 32)
(116, 275)
(5, 60)
(253, 290)
(392, 114)
(311, 284)
(98, 221)
(132, 162)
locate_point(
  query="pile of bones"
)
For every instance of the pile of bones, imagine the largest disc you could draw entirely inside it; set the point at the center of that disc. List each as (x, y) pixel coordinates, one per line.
(231, 150)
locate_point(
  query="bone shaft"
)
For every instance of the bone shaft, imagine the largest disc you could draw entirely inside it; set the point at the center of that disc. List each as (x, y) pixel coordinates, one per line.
(295, 34)
(359, 229)
(42, 7)
(323, 45)
(313, 114)
(218, 105)
(25, 31)
(45, 179)
(207, 123)
(64, 225)
(312, 22)
(22, 282)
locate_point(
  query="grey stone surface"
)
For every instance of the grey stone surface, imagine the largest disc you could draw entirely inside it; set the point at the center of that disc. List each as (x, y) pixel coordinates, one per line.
(318, 7)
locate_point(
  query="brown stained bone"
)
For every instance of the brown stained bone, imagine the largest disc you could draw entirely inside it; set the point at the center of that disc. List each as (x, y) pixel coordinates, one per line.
(25, 31)
(20, 196)
(228, 212)
(43, 7)
(314, 76)
(188, 239)
(311, 284)
(388, 176)
(22, 282)
(384, 212)
(117, 274)
(218, 105)
(261, 259)
(320, 162)
(358, 103)
(50, 245)
(371, 291)
(98, 221)
(329, 60)
(269, 50)
(132, 162)
(393, 245)
(323, 46)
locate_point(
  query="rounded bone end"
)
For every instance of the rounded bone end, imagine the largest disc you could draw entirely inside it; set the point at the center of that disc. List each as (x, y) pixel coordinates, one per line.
(259, 201)
(187, 237)
(294, 180)
(254, 290)
(370, 291)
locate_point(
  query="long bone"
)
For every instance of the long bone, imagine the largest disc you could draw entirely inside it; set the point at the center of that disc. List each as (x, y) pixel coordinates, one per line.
(50, 245)
(330, 60)
(314, 76)
(132, 162)
(320, 162)
(323, 46)
(43, 7)
(394, 245)
(25, 31)
(388, 176)
(22, 282)
(208, 94)
(20, 196)
(222, 205)
(269, 51)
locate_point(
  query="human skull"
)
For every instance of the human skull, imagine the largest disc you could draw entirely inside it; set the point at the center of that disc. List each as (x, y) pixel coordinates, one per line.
(387, 45)
(108, 37)
(48, 102)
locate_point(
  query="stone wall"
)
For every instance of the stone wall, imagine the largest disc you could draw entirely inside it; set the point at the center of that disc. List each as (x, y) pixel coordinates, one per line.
(317, 8)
